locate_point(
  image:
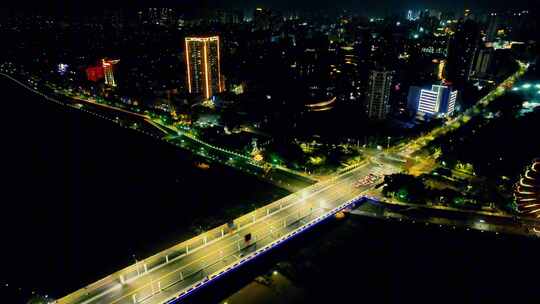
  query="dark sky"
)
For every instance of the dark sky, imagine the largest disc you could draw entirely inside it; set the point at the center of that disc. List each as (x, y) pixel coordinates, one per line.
(380, 6)
(360, 6)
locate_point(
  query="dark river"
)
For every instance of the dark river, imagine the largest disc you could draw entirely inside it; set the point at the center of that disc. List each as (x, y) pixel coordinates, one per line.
(81, 196)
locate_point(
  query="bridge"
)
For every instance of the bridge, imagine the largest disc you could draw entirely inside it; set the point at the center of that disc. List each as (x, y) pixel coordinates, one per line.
(176, 272)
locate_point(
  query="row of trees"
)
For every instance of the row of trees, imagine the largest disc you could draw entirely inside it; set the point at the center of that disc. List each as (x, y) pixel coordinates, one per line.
(411, 189)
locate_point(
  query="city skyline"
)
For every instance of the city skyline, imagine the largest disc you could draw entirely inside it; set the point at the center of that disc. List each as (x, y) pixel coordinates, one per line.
(365, 8)
(239, 152)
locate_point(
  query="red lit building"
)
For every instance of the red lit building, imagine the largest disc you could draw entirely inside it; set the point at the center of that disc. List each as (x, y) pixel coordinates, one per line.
(95, 73)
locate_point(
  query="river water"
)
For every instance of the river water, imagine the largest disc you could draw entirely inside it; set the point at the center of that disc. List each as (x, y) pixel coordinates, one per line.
(82, 197)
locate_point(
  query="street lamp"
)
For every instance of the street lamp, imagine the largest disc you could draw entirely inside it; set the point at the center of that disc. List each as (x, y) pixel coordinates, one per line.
(136, 264)
(388, 142)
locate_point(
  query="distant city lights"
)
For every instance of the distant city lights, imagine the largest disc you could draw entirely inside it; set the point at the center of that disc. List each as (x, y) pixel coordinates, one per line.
(62, 68)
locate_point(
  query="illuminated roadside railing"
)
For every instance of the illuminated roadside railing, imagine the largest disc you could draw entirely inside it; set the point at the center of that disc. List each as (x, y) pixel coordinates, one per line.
(183, 249)
(201, 265)
(264, 249)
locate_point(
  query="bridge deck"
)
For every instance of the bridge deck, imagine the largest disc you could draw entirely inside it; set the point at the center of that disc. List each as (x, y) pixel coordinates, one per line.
(175, 272)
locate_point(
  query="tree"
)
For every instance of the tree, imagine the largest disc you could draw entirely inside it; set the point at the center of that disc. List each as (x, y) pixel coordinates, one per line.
(406, 187)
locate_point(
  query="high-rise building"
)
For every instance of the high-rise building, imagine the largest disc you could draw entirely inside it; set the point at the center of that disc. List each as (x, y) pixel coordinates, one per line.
(413, 15)
(461, 51)
(158, 16)
(108, 71)
(203, 65)
(483, 59)
(262, 19)
(94, 73)
(437, 101)
(493, 26)
(379, 94)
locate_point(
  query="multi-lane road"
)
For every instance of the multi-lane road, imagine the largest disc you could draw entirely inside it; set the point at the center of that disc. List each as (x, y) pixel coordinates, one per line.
(175, 272)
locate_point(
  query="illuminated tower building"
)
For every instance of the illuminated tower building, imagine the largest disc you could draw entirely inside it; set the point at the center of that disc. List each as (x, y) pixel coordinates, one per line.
(379, 94)
(108, 71)
(437, 101)
(203, 65)
(527, 192)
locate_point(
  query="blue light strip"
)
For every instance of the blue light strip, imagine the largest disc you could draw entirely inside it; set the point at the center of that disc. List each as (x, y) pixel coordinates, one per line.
(265, 249)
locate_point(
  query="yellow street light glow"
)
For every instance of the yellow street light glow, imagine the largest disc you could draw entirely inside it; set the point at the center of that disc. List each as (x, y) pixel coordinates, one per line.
(258, 157)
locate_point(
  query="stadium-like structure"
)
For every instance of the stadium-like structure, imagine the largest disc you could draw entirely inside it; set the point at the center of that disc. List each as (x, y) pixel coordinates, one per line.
(527, 192)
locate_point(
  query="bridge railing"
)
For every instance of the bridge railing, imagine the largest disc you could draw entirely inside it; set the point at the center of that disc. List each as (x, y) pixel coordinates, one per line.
(220, 258)
(152, 263)
(275, 241)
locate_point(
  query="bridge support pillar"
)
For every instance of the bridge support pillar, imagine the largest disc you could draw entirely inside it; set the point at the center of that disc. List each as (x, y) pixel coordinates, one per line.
(222, 232)
(122, 279)
(145, 268)
(134, 298)
(167, 259)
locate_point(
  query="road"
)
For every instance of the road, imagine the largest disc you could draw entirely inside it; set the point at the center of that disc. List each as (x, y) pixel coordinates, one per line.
(413, 146)
(206, 257)
(282, 177)
(450, 218)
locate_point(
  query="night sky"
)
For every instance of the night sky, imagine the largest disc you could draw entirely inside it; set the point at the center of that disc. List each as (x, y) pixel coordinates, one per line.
(372, 6)
(366, 7)
(381, 5)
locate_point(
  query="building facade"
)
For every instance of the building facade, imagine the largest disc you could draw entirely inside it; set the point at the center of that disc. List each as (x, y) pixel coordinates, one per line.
(379, 94)
(203, 65)
(437, 101)
(108, 71)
